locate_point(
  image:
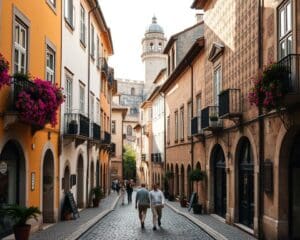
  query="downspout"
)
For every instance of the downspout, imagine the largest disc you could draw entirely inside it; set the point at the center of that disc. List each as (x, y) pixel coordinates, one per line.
(165, 135)
(260, 125)
(192, 114)
(88, 96)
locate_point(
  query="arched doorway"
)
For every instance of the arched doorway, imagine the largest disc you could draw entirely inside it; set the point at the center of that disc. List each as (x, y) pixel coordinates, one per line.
(80, 182)
(182, 180)
(12, 181)
(172, 181)
(294, 193)
(246, 183)
(67, 179)
(48, 187)
(189, 184)
(219, 172)
(92, 175)
(97, 174)
(176, 180)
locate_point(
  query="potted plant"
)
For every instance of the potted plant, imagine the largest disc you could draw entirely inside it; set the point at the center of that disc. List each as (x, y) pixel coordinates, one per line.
(183, 200)
(21, 215)
(97, 195)
(196, 175)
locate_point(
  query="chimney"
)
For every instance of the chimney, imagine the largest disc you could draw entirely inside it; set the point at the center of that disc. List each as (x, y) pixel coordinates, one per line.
(199, 17)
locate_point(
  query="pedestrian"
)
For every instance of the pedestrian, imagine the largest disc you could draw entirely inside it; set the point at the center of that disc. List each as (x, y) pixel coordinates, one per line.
(118, 186)
(157, 201)
(142, 202)
(129, 190)
(122, 188)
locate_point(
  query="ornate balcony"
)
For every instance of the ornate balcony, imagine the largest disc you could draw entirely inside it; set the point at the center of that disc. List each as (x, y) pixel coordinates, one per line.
(105, 137)
(104, 66)
(210, 120)
(230, 104)
(292, 82)
(156, 158)
(111, 76)
(113, 149)
(196, 129)
(95, 131)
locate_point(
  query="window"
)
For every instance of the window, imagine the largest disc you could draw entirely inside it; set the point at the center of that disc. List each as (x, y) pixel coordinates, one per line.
(108, 125)
(20, 47)
(198, 103)
(176, 126)
(50, 65)
(97, 53)
(92, 104)
(132, 91)
(285, 40)
(189, 119)
(68, 92)
(181, 124)
(172, 59)
(98, 111)
(129, 130)
(113, 127)
(52, 2)
(104, 122)
(168, 129)
(69, 12)
(82, 24)
(81, 98)
(92, 41)
(217, 85)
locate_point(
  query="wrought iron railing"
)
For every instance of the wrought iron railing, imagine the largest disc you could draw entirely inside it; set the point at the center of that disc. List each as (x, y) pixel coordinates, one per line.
(110, 75)
(291, 64)
(113, 149)
(230, 103)
(105, 137)
(104, 65)
(76, 124)
(96, 130)
(17, 86)
(210, 118)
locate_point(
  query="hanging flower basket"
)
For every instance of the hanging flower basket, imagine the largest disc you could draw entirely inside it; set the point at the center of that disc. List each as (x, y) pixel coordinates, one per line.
(37, 104)
(269, 87)
(4, 76)
(196, 175)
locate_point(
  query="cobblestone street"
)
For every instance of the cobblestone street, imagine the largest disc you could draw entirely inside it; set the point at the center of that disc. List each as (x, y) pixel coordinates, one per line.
(123, 223)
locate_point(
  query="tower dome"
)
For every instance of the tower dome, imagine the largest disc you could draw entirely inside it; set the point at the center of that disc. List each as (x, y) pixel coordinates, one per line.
(154, 27)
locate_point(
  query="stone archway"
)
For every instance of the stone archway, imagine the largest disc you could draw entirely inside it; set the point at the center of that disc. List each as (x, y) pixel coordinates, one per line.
(92, 174)
(67, 179)
(218, 183)
(48, 187)
(80, 182)
(97, 174)
(188, 183)
(12, 181)
(182, 180)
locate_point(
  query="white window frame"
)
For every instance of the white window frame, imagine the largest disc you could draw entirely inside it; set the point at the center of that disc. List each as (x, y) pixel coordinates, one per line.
(181, 130)
(82, 25)
(98, 53)
(50, 70)
(92, 105)
(20, 46)
(69, 93)
(176, 125)
(92, 51)
(217, 84)
(198, 105)
(98, 111)
(189, 119)
(81, 98)
(285, 29)
(69, 12)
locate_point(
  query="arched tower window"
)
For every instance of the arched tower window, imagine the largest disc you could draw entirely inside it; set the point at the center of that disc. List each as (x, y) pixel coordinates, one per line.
(129, 130)
(132, 91)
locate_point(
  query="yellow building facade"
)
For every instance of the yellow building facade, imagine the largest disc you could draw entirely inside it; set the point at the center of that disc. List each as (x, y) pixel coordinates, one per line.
(31, 42)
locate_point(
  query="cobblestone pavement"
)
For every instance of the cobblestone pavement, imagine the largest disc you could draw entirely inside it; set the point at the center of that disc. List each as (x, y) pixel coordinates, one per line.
(123, 223)
(64, 230)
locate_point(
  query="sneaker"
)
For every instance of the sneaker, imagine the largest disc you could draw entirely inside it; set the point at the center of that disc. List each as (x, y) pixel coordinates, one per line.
(159, 223)
(142, 225)
(154, 228)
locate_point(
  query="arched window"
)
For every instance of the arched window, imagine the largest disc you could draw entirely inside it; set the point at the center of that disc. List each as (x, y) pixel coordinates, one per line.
(151, 46)
(132, 91)
(129, 130)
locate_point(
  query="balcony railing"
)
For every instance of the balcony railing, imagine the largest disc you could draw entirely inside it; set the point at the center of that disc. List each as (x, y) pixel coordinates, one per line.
(96, 130)
(104, 66)
(105, 137)
(230, 104)
(113, 149)
(210, 118)
(17, 86)
(156, 157)
(292, 82)
(143, 157)
(110, 76)
(76, 124)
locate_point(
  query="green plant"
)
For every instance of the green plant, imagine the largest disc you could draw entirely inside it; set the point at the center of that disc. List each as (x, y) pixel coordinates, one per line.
(18, 76)
(196, 175)
(213, 118)
(20, 214)
(97, 192)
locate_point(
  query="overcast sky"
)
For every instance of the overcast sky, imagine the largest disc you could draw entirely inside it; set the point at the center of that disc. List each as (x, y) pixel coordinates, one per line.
(128, 20)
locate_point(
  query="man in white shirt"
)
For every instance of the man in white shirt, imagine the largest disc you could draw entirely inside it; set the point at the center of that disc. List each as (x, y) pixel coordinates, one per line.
(157, 201)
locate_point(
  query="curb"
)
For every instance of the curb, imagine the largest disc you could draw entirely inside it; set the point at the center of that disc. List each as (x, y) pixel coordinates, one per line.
(203, 226)
(85, 227)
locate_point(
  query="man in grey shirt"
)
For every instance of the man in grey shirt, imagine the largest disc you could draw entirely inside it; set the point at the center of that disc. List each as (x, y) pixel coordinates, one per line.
(142, 201)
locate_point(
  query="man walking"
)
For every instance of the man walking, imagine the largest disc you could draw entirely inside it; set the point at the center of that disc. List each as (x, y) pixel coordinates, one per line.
(129, 190)
(157, 201)
(142, 202)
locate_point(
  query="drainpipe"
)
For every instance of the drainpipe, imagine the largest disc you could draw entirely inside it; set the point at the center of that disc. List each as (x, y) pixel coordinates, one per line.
(192, 114)
(165, 135)
(261, 126)
(88, 96)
